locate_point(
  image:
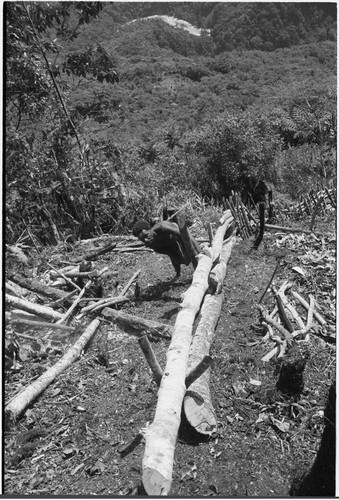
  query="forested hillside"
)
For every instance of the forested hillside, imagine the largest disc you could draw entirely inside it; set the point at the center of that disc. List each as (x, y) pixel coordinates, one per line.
(105, 118)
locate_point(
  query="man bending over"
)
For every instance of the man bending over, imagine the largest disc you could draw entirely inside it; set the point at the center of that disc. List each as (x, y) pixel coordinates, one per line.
(164, 237)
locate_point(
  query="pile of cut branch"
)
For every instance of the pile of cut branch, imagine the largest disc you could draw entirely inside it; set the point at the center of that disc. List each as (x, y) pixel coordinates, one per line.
(77, 309)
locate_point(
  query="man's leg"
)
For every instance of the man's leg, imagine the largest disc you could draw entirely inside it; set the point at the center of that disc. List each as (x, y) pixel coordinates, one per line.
(175, 264)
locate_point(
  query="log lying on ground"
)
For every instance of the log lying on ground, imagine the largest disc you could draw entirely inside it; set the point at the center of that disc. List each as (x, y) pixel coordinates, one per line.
(161, 435)
(26, 305)
(20, 403)
(218, 273)
(14, 320)
(101, 251)
(68, 280)
(135, 325)
(15, 289)
(126, 249)
(290, 229)
(198, 406)
(305, 304)
(39, 288)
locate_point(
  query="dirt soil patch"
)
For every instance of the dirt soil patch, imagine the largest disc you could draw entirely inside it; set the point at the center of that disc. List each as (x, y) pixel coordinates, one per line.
(68, 440)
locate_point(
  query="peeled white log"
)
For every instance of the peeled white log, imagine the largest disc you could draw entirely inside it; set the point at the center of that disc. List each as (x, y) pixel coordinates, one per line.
(26, 305)
(20, 403)
(160, 436)
(198, 406)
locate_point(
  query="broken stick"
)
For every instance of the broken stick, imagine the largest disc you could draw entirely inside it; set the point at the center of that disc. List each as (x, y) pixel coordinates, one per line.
(151, 358)
(135, 325)
(20, 403)
(75, 303)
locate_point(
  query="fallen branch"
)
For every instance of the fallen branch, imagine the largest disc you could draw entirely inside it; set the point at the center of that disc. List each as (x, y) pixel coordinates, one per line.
(14, 289)
(305, 304)
(108, 238)
(20, 403)
(129, 283)
(132, 249)
(93, 255)
(65, 277)
(290, 229)
(39, 288)
(302, 331)
(290, 307)
(135, 325)
(25, 305)
(75, 303)
(284, 318)
(87, 274)
(283, 348)
(285, 333)
(63, 270)
(270, 281)
(110, 301)
(56, 303)
(151, 358)
(11, 319)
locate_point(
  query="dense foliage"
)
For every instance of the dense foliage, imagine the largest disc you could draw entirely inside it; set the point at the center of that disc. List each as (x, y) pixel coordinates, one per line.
(107, 117)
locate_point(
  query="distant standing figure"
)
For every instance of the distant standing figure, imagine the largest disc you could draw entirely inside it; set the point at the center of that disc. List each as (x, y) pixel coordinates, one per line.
(164, 237)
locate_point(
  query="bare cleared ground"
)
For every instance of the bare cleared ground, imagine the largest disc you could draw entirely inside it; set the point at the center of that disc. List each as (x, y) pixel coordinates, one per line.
(264, 440)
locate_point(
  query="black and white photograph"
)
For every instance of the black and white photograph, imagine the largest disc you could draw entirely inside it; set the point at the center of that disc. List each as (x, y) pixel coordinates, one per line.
(169, 249)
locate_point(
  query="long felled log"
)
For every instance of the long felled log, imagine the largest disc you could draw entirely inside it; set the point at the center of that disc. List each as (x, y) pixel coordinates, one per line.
(161, 435)
(26, 305)
(20, 403)
(136, 325)
(198, 406)
(39, 288)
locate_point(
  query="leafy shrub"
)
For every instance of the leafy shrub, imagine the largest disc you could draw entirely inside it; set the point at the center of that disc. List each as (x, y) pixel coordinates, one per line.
(299, 169)
(235, 152)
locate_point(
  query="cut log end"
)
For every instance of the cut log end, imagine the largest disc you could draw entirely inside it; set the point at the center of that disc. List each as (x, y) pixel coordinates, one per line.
(154, 483)
(199, 415)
